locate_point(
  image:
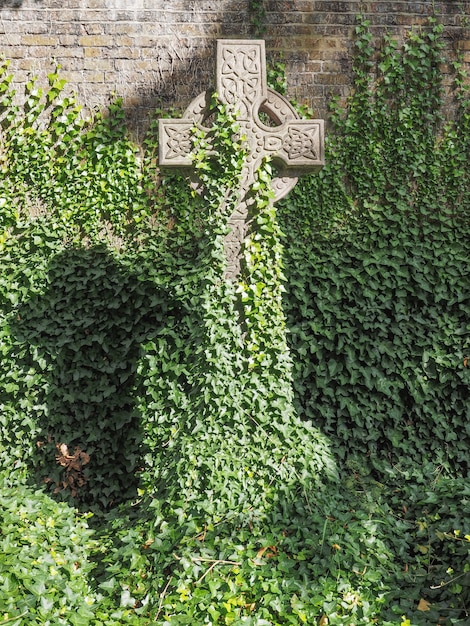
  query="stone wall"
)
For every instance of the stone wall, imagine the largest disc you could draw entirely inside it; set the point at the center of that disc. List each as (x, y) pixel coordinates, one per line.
(161, 52)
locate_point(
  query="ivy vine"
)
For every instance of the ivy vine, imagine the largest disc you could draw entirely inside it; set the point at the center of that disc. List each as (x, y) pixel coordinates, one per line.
(379, 288)
(289, 449)
(257, 13)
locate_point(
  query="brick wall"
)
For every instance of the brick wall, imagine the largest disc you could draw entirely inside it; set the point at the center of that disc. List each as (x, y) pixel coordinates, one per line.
(316, 38)
(161, 52)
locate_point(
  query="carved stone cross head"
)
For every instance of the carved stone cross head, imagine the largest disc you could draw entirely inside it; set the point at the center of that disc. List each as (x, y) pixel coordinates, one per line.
(271, 125)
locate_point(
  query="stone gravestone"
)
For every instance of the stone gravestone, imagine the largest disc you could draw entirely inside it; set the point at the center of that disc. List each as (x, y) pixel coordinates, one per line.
(269, 122)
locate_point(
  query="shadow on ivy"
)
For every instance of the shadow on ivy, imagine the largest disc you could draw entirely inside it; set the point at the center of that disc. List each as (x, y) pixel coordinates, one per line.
(88, 327)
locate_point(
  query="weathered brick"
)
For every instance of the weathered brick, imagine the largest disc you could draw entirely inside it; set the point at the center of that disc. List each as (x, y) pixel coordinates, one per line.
(331, 79)
(71, 64)
(168, 45)
(39, 40)
(69, 45)
(92, 28)
(12, 40)
(124, 52)
(37, 28)
(95, 40)
(27, 64)
(338, 19)
(313, 67)
(331, 66)
(97, 64)
(67, 28)
(93, 76)
(93, 52)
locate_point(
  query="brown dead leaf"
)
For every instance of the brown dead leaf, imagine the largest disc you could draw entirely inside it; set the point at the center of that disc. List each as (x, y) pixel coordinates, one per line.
(424, 605)
(73, 465)
(63, 449)
(84, 457)
(260, 553)
(268, 552)
(323, 621)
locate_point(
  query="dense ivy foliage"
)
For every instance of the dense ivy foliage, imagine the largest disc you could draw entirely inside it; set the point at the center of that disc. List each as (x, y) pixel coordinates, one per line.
(291, 449)
(44, 563)
(379, 288)
(70, 190)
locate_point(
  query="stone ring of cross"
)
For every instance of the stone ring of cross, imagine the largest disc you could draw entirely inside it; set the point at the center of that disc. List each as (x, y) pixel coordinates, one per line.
(273, 113)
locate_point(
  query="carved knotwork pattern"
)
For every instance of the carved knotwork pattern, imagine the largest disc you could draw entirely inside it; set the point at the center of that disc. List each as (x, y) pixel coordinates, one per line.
(300, 144)
(178, 141)
(241, 77)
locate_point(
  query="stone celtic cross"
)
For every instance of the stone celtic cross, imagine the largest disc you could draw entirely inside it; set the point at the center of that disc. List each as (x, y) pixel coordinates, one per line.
(269, 122)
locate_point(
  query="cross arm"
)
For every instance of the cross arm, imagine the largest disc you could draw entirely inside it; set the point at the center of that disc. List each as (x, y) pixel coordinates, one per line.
(175, 142)
(298, 146)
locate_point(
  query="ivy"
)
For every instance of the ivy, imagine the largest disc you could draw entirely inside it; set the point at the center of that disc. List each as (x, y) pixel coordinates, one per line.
(52, 154)
(44, 563)
(378, 290)
(288, 449)
(257, 13)
(226, 349)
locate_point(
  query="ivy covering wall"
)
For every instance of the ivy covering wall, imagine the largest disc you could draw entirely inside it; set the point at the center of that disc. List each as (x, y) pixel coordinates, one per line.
(378, 266)
(289, 449)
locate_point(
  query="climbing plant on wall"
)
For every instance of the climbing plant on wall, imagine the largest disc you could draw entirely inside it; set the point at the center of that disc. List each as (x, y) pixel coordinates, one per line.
(70, 191)
(257, 14)
(378, 283)
(98, 369)
(285, 450)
